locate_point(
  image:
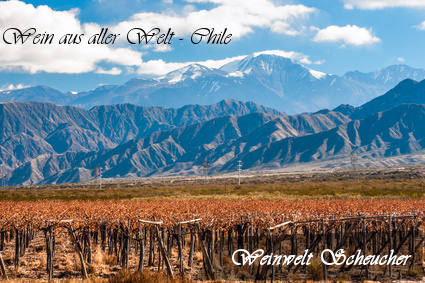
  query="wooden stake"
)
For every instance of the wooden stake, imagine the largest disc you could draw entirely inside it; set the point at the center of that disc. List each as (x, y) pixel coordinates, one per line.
(272, 250)
(164, 254)
(17, 242)
(207, 260)
(79, 252)
(3, 267)
(192, 249)
(180, 248)
(48, 233)
(142, 248)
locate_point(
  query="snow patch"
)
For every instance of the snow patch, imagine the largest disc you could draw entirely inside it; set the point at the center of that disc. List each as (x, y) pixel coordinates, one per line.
(191, 71)
(195, 75)
(266, 67)
(237, 74)
(247, 71)
(318, 75)
(175, 79)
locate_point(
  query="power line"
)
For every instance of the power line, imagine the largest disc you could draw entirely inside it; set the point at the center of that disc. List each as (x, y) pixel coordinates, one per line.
(204, 170)
(98, 175)
(353, 159)
(239, 172)
(3, 176)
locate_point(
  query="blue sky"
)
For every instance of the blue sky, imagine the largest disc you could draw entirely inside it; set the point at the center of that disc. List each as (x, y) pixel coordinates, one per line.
(332, 36)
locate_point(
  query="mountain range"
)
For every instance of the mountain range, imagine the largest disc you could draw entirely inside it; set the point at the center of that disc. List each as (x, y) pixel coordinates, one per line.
(263, 78)
(32, 129)
(242, 111)
(44, 143)
(50, 136)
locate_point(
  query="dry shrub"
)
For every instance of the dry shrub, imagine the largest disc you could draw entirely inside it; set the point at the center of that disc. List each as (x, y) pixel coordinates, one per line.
(23, 262)
(67, 265)
(90, 268)
(73, 263)
(39, 248)
(227, 261)
(109, 259)
(125, 276)
(243, 274)
(99, 257)
(42, 262)
(415, 272)
(197, 256)
(315, 270)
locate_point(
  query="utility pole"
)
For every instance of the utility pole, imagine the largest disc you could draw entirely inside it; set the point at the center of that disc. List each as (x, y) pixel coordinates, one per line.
(353, 159)
(3, 177)
(100, 178)
(26, 148)
(98, 175)
(239, 172)
(205, 165)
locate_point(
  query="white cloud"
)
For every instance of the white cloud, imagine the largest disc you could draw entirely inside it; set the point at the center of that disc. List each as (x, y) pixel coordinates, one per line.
(401, 60)
(13, 87)
(296, 56)
(382, 4)
(239, 16)
(348, 35)
(421, 26)
(162, 48)
(112, 71)
(55, 58)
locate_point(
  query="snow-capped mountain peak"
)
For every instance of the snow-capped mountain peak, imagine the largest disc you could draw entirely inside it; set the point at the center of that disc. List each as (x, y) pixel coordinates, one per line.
(261, 62)
(192, 72)
(268, 78)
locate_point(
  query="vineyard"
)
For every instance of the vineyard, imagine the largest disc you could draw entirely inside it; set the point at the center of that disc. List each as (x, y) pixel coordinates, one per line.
(196, 238)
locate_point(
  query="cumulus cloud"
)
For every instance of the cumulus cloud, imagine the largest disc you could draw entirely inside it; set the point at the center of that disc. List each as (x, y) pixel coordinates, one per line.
(382, 4)
(112, 71)
(12, 87)
(348, 35)
(239, 16)
(401, 60)
(296, 56)
(421, 26)
(162, 48)
(55, 58)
